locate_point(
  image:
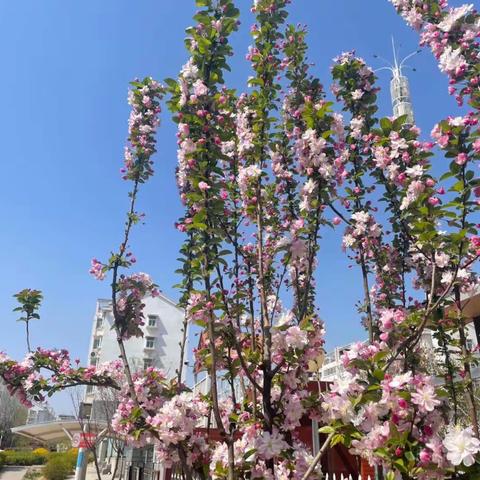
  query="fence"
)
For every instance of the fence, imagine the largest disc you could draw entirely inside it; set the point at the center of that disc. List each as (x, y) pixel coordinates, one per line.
(332, 476)
(328, 476)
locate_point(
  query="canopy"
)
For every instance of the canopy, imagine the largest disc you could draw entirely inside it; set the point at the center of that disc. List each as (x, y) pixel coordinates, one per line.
(54, 431)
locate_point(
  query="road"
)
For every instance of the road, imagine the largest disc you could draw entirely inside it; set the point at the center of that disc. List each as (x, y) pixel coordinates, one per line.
(12, 473)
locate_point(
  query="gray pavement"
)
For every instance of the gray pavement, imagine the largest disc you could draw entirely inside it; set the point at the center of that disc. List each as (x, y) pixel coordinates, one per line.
(12, 473)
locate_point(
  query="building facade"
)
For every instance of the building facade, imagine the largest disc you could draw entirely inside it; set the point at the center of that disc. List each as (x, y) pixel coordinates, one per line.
(333, 368)
(159, 347)
(40, 413)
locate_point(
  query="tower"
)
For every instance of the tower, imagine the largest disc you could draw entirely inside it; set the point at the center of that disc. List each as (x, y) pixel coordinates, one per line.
(399, 87)
(400, 93)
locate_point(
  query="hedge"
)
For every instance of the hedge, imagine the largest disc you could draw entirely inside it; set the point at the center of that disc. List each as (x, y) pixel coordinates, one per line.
(60, 465)
(57, 468)
(13, 457)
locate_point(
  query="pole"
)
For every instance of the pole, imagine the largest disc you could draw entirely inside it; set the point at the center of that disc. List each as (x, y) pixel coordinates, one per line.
(81, 468)
(82, 457)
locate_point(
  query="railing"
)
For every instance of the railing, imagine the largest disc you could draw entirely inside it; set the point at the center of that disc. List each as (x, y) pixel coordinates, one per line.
(177, 475)
(332, 476)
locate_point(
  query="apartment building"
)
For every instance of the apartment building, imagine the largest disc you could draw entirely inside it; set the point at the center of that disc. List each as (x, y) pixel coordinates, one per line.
(159, 347)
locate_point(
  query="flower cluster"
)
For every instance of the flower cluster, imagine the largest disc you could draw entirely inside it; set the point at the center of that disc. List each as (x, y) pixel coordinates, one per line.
(355, 84)
(144, 98)
(399, 423)
(363, 230)
(44, 372)
(176, 419)
(131, 291)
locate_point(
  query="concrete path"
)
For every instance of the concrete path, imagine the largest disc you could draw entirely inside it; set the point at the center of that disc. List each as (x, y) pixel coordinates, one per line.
(12, 473)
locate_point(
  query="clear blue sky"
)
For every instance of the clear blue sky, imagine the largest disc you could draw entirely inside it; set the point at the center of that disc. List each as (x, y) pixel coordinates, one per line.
(66, 65)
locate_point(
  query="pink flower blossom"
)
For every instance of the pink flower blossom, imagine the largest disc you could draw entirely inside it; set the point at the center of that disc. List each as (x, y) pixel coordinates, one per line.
(97, 269)
(270, 445)
(461, 159)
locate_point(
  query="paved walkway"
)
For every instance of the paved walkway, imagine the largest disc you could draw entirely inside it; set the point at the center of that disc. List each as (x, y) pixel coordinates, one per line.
(12, 473)
(92, 473)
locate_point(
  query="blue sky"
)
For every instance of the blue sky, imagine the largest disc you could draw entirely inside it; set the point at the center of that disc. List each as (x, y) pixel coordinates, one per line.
(65, 72)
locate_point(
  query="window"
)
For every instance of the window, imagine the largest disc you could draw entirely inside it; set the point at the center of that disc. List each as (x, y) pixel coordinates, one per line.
(99, 322)
(149, 342)
(476, 324)
(89, 389)
(152, 320)
(97, 342)
(94, 361)
(147, 362)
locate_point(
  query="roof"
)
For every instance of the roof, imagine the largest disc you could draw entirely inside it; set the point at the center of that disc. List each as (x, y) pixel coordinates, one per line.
(53, 431)
(471, 305)
(107, 301)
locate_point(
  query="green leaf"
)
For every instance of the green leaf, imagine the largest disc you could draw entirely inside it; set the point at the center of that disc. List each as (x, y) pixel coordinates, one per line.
(326, 429)
(386, 125)
(337, 438)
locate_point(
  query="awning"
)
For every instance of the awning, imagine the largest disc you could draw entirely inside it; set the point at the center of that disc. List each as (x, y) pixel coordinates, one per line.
(471, 306)
(55, 431)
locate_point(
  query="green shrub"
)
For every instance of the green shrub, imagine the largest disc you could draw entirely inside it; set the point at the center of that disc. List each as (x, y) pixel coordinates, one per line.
(2, 459)
(58, 467)
(72, 455)
(13, 457)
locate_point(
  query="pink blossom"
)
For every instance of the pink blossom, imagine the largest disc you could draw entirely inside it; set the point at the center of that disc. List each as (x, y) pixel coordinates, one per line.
(461, 159)
(295, 337)
(476, 146)
(203, 186)
(199, 88)
(462, 446)
(97, 269)
(426, 398)
(270, 445)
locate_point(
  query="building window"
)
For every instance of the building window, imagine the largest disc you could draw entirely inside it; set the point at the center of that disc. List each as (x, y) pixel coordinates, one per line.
(89, 389)
(147, 363)
(97, 342)
(94, 361)
(99, 323)
(149, 342)
(152, 320)
(476, 324)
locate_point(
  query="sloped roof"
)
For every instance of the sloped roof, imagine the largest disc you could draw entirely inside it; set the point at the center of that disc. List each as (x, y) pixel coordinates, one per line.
(53, 431)
(108, 301)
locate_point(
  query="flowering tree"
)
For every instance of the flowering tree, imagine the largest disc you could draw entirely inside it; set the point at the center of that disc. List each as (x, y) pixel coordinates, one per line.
(261, 174)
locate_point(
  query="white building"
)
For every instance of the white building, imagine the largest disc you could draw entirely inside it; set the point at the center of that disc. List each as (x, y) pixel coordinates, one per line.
(159, 346)
(40, 413)
(332, 367)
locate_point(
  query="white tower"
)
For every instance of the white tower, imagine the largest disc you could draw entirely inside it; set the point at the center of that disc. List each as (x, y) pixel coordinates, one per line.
(399, 87)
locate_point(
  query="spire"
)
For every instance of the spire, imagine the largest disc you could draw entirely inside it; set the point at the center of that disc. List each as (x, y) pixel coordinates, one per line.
(399, 86)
